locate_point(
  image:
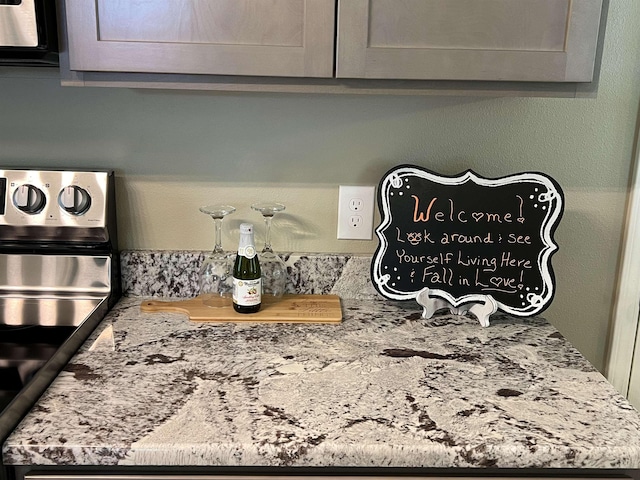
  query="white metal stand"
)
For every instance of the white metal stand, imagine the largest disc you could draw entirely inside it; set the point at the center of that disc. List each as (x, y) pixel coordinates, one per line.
(482, 311)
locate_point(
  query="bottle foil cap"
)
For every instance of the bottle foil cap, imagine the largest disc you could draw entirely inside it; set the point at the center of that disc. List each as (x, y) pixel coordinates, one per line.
(246, 228)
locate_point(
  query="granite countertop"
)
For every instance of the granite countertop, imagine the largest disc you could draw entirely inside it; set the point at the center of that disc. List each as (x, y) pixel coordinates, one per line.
(384, 388)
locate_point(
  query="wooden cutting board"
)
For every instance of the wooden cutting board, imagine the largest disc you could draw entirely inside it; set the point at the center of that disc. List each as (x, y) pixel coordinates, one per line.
(289, 309)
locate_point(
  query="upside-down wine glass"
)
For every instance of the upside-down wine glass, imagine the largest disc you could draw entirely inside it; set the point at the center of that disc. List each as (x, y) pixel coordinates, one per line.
(274, 270)
(217, 270)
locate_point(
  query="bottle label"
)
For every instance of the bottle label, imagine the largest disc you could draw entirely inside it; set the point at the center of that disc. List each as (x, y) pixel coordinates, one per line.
(247, 292)
(249, 251)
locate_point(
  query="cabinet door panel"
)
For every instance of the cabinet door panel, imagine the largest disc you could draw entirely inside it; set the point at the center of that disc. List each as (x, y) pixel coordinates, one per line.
(526, 40)
(228, 37)
(228, 22)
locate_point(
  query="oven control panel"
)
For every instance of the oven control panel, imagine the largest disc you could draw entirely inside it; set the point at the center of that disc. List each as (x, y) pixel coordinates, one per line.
(54, 198)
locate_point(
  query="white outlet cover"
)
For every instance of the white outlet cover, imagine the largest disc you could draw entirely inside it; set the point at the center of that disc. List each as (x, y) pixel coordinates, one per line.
(363, 229)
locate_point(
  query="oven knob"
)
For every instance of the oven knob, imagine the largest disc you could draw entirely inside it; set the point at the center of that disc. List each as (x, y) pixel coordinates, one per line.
(74, 200)
(29, 199)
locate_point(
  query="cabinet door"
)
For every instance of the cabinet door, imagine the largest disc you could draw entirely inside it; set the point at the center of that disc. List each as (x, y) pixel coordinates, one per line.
(228, 37)
(520, 40)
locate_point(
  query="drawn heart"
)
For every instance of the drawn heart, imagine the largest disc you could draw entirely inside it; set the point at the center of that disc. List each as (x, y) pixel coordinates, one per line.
(477, 216)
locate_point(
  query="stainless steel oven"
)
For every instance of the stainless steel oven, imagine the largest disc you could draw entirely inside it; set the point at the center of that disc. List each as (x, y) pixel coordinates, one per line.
(28, 33)
(59, 275)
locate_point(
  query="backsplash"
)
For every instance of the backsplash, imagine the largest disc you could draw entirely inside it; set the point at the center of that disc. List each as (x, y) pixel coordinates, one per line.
(150, 273)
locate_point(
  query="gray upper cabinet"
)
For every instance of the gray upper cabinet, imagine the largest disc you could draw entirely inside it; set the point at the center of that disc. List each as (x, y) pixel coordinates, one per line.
(292, 38)
(350, 46)
(508, 40)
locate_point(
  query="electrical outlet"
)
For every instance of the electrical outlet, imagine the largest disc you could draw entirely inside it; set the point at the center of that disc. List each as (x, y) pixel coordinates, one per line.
(355, 212)
(356, 204)
(355, 221)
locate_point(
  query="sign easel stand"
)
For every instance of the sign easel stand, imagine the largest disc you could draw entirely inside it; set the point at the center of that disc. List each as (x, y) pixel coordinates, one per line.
(481, 310)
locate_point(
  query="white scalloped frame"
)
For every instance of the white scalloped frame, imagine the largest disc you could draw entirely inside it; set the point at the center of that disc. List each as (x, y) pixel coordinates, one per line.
(553, 195)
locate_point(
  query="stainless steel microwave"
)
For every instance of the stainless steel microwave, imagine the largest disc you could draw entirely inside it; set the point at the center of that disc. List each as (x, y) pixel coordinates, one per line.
(28, 32)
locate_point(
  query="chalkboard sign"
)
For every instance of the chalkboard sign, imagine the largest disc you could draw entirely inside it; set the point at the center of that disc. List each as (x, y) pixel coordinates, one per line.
(467, 237)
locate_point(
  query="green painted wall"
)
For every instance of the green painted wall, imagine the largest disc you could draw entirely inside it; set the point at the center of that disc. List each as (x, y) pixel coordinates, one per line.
(175, 150)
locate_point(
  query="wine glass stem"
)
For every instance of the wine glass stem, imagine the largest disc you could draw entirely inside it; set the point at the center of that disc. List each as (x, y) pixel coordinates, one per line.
(267, 234)
(218, 232)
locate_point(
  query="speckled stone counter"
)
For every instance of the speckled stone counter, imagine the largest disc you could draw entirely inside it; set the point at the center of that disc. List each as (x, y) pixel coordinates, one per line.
(175, 274)
(384, 388)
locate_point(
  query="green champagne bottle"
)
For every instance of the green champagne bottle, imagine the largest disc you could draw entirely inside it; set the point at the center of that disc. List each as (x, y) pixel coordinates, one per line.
(247, 283)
